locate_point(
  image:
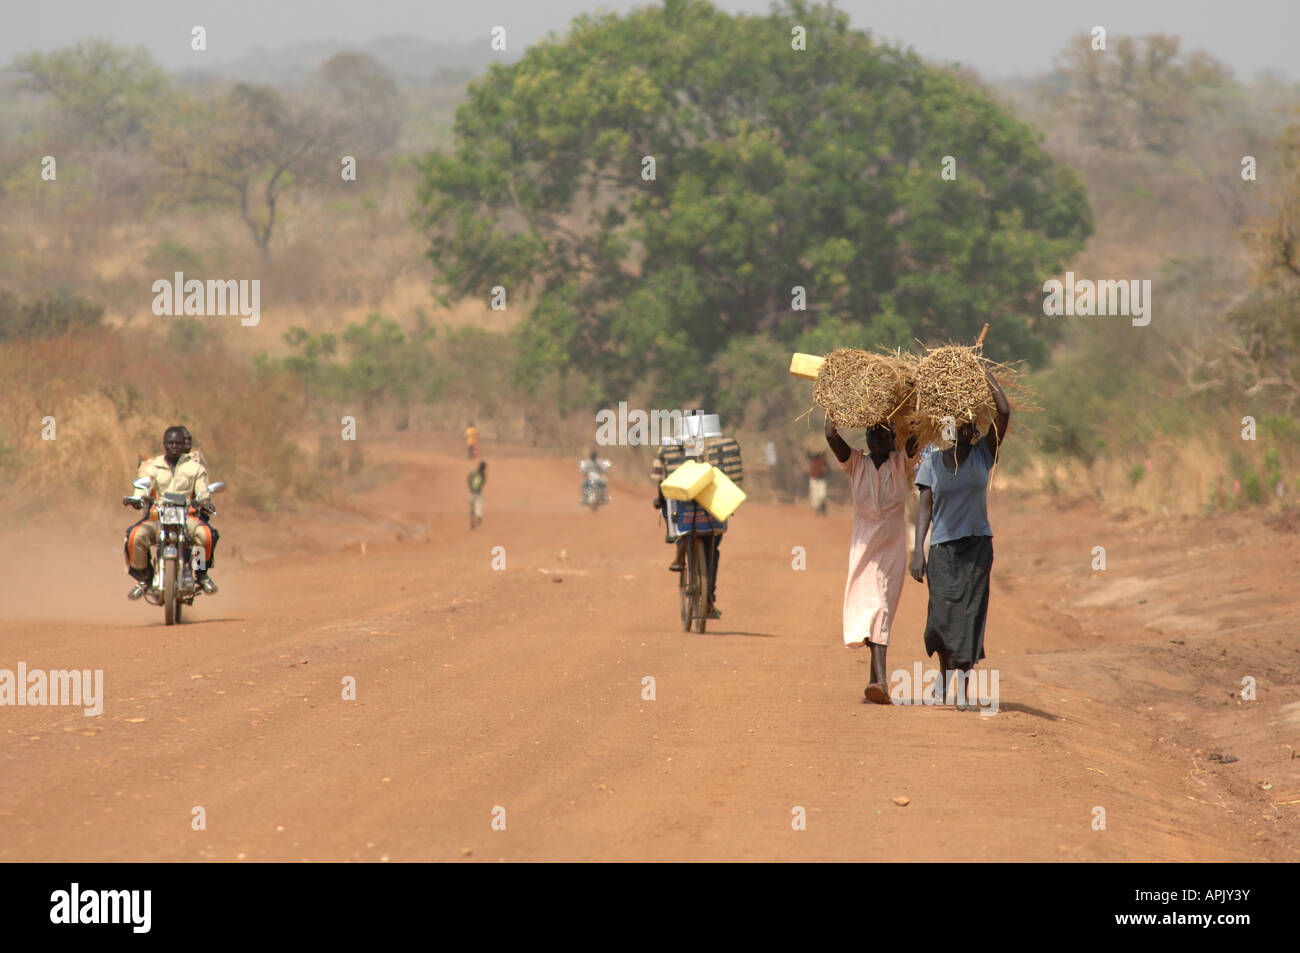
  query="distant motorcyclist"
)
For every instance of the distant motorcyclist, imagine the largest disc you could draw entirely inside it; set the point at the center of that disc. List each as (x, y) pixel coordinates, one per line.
(593, 472)
(171, 472)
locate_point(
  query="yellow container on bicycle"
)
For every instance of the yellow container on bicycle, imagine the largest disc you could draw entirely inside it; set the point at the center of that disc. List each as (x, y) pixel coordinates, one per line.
(720, 496)
(688, 480)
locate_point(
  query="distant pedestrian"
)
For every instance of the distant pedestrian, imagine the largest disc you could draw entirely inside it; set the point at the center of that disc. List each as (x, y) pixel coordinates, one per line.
(477, 477)
(817, 467)
(471, 441)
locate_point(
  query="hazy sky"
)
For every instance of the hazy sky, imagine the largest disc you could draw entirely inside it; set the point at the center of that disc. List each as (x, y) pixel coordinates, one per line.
(997, 37)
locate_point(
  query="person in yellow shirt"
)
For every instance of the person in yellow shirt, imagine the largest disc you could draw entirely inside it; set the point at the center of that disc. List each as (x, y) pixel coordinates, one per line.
(173, 471)
(471, 440)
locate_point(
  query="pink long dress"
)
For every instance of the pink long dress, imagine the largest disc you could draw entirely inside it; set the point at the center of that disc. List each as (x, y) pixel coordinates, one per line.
(878, 550)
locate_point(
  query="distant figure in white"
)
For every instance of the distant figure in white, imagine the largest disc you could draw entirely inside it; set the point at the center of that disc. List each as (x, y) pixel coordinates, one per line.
(594, 486)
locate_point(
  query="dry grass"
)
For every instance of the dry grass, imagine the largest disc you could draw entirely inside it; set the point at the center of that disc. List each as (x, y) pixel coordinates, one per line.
(112, 393)
(858, 389)
(950, 390)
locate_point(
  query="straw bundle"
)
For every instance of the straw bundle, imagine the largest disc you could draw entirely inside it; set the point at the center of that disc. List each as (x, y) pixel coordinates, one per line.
(858, 389)
(950, 383)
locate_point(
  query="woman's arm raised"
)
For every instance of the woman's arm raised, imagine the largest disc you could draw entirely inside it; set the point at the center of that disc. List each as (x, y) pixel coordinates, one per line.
(836, 442)
(998, 432)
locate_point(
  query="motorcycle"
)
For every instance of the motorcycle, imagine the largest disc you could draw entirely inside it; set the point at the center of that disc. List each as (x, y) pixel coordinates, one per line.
(175, 559)
(593, 493)
(594, 489)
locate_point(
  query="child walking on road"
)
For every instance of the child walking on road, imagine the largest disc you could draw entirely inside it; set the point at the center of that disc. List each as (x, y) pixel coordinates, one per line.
(881, 482)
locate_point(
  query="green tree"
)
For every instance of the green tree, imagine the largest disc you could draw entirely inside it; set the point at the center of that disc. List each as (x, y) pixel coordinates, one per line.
(774, 168)
(242, 150)
(107, 94)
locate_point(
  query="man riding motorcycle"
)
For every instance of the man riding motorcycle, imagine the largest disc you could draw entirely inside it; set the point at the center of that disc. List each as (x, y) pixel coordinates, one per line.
(593, 472)
(174, 471)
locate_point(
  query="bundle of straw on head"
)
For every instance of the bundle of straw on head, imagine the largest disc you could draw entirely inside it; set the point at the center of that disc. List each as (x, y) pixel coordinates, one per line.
(950, 385)
(858, 389)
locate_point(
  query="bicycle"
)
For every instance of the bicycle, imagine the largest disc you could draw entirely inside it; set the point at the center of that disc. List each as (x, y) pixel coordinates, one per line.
(693, 580)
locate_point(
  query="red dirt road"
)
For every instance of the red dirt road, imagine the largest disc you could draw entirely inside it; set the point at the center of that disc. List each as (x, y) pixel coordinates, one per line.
(479, 688)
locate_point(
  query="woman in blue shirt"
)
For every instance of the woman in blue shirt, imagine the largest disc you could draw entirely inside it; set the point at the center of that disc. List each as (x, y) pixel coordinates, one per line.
(954, 487)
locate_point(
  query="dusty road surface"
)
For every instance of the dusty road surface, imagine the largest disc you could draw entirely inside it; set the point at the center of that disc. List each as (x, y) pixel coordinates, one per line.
(517, 692)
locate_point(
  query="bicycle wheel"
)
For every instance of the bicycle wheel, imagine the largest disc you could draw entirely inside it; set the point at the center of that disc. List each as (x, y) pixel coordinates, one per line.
(700, 581)
(685, 593)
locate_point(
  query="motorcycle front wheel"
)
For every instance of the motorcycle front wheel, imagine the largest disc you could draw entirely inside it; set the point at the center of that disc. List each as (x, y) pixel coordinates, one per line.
(171, 601)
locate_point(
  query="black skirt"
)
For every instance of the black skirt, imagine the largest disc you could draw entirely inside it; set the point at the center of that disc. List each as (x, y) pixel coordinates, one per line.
(958, 572)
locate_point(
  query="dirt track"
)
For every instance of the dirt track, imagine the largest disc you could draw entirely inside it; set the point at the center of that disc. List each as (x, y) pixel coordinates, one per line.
(522, 688)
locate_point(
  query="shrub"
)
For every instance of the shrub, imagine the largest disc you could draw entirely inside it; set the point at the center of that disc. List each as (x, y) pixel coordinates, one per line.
(48, 316)
(1252, 489)
(383, 363)
(168, 255)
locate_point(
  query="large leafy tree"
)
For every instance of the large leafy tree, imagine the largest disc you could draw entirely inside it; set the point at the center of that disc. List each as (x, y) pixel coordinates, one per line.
(774, 168)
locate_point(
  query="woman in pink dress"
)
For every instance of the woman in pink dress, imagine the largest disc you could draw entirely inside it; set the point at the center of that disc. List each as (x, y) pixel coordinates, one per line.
(881, 480)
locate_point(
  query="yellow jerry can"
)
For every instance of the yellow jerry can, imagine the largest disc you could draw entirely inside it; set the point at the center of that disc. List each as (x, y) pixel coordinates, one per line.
(806, 366)
(686, 482)
(721, 496)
